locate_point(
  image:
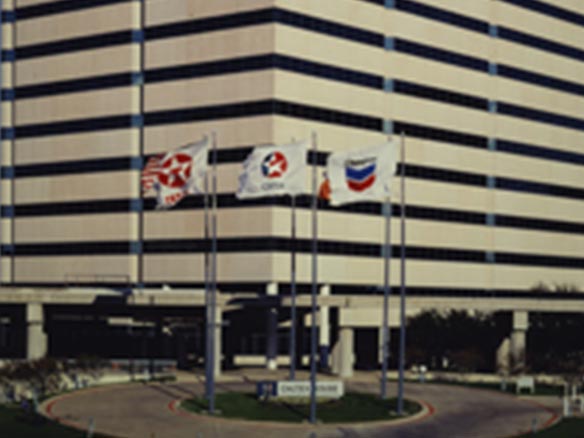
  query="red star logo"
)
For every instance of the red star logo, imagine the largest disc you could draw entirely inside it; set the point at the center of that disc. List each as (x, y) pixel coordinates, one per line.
(175, 171)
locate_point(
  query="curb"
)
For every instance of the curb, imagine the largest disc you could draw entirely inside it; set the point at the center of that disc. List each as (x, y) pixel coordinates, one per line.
(427, 411)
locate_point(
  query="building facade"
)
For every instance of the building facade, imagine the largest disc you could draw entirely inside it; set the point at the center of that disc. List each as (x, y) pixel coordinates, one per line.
(489, 96)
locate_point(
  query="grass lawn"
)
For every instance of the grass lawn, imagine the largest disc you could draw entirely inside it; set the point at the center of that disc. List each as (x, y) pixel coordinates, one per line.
(568, 428)
(353, 407)
(15, 423)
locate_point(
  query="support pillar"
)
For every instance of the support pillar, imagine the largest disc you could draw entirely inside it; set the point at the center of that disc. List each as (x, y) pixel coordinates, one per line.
(36, 339)
(503, 364)
(272, 330)
(324, 332)
(218, 341)
(343, 353)
(518, 340)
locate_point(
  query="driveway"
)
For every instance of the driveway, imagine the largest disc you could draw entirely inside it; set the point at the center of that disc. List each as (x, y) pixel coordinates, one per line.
(151, 411)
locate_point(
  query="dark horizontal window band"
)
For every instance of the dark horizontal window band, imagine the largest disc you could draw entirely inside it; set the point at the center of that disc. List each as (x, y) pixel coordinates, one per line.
(75, 44)
(441, 55)
(265, 107)
(74, 208)
(548, 9)
(538, 188)
(442, 175)
(411, 171)
(540, 43)
(278, 244)
(75, 86)
(441, 95)
(541, 80)
(539, 224)
(76, 167)
(62, 6)
(540, 116)
(264, 16)
(369, 208)
(437, 14)
(409, 129)
(217, 112)
(305, 22)
(205, 25)
(267, 61)
(539, 152)
(442, 135)
(442, 15)
(336, 289)
(200, 70)
(73, 126)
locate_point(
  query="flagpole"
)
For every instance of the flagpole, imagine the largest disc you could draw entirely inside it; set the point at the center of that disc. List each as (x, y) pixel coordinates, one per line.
(386, 291)
(208, 327)
(213, 278)
(292, 351)
(402, 328)
(141, 135)
(293, 292)
(314, 285)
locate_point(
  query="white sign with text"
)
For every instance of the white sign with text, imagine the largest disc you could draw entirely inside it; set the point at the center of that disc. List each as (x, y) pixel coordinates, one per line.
(301, 389)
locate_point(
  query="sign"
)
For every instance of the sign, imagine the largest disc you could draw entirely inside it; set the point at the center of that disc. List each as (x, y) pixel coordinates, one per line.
(300, 389)
(525, 382)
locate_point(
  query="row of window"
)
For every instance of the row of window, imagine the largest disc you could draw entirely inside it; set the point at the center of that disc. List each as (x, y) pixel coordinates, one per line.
(411, 171)
(292, 64)
(279, 244)
(441, 95)
(275, 15)
(331, 72)
(303, 201)
(336, 289)
(545, 8)
(60, 7)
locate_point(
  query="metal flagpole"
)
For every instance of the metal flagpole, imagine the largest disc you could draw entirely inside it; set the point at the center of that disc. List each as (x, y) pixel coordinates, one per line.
(402, 327)
(208, 326)
(293, 293)
(386, 291)
(314, 285)
(292, 351)
(213, 277)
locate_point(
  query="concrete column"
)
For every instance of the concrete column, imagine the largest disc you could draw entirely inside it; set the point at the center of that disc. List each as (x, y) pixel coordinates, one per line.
(345, 352)
(272, 330)
(503, 357)
(518, 340)
(218, 341)
(324, 332)
(36, 339)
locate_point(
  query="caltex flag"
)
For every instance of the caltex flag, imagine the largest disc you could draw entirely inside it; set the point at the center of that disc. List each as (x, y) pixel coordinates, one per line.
(361, 175)
(176, 174)
(274, 170)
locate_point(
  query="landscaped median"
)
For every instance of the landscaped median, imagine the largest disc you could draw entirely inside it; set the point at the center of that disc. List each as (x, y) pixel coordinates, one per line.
(18, 422)
(351, 408)
(567, 428)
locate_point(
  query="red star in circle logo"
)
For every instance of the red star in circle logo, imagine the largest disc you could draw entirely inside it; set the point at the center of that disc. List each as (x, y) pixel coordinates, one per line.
(176, 171)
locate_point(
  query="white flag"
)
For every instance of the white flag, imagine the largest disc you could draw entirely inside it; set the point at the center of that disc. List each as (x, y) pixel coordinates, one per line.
(361, 175)
(177, 173)
(274, 170)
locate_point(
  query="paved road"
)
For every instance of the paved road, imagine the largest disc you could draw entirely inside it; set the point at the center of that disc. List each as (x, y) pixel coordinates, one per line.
(148, 411)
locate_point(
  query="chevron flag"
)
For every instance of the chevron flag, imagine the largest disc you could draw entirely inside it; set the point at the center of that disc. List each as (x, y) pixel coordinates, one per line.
(361, 175)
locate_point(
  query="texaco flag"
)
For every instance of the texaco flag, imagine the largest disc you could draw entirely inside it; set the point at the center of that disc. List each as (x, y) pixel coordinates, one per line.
(176, 174)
